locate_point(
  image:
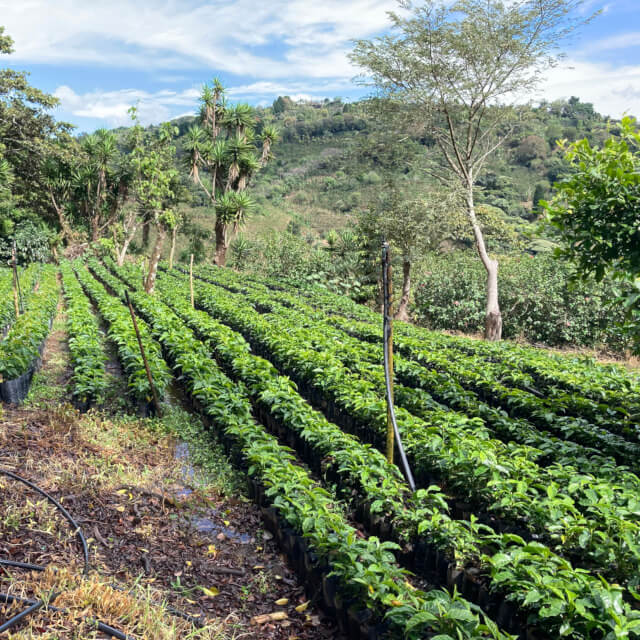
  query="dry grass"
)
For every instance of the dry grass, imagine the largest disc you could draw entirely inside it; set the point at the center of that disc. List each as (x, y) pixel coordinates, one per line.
(140, 611)
(83, 457)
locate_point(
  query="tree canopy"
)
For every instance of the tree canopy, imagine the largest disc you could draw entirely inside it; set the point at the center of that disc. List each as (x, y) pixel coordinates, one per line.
(596, 213)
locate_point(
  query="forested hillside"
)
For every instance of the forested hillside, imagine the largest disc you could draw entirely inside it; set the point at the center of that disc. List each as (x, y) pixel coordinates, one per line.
(326, 166)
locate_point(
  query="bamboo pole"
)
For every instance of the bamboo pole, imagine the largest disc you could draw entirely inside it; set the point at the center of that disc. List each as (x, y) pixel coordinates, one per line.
(156, 402)
(193, 306)
(393, 433)
(16, 282)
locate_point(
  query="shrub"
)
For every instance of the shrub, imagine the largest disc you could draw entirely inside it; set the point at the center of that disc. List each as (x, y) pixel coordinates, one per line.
(536, 300)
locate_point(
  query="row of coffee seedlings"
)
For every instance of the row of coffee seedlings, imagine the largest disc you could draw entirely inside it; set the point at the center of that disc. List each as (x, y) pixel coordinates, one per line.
(364, 569)
(421, 520)
(21, 348)
(122, 333)
(611, 384)
(86, 343)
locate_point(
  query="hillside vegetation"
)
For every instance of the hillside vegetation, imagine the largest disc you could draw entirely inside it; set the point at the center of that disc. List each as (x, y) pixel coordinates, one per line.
(326, 167)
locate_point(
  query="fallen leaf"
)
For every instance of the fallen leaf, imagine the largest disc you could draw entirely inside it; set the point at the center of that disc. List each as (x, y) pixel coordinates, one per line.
(212, 592)
(282, 601)
(269, 617)
(303, 607)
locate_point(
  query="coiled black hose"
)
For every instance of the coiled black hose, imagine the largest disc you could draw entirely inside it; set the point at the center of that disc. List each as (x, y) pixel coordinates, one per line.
(37, 604)
(63, 511)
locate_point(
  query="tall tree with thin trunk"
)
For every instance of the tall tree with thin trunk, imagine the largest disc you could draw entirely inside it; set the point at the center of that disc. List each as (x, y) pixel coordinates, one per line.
(222, 156)
(460, 65)
(155, 185)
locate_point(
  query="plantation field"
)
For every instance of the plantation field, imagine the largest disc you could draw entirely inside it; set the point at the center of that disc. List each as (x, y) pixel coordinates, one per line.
(526, 520)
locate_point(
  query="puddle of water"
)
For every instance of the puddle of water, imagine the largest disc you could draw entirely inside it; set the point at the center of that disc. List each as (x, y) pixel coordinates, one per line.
(182, 454)
(204, 523)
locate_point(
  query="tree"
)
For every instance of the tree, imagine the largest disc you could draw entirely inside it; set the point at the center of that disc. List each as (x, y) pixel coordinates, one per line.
(223, 145)
(29, 135)
(412, 223)
(596, 213)
(459, 65)
(279, 105)
(100, 181)
(155, 184)
(58, 181)
(531, 148)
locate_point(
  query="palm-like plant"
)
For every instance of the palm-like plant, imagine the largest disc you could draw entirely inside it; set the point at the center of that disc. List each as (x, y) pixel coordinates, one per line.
(234, 208)
(244, 206)
(268, 137)
(238, 149)
(240, 117)
(212, 105)
(228, 152)
(249, 164)
(101, 150)
(194, 141)
(217, 155)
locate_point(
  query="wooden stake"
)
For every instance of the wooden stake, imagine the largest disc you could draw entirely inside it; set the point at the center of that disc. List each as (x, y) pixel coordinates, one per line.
(156, 402)
(16, 282)
(174, 233)
(193, 306)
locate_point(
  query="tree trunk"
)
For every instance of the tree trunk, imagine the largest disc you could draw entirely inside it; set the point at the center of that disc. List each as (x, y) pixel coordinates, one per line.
(155, 258)
(174, 233)
(95, 228)
(123, 252)
(62, 220)
(493, 317)
(145, 233)
(129, 235)
(221, 244)
(402, 313)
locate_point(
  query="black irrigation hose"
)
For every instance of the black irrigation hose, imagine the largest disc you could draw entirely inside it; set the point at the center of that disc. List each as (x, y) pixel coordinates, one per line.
(101, 626)
(387, 375)
(65, 513)
(35, 567)
(21, 565)
(38, 604)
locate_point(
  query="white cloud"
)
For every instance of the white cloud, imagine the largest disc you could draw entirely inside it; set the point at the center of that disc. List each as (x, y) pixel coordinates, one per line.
(613, 90)
(189, 34)
(292, 47)
(291, 89)
(612, 43)
(112, 106)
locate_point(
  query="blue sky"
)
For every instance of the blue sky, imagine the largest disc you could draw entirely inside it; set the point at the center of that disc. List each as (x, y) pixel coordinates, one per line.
(101, 57)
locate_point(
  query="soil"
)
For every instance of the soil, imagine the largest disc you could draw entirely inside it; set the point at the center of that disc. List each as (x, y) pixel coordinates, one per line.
(150, 521)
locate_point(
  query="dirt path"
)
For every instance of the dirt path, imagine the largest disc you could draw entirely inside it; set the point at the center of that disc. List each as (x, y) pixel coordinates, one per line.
(167, 519)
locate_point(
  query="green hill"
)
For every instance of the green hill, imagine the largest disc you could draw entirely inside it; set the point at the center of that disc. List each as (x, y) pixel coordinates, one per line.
(324, 169)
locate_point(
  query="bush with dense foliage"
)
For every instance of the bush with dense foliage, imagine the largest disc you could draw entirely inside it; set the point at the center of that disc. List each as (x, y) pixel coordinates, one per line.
(336, 265)
(539, 304)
